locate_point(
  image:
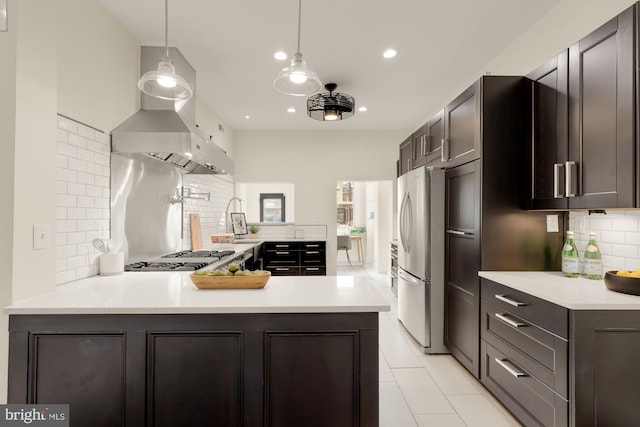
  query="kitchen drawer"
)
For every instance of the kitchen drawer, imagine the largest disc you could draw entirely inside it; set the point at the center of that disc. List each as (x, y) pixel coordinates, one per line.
(283, 271)
(313, 246)
(279, 246)
(313, 271)
(313, 258)
(545, 314)
(530, 400)
(281, 257)
(543, 354)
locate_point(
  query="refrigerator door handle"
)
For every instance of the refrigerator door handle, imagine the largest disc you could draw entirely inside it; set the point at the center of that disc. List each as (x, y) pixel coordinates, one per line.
(406, 222)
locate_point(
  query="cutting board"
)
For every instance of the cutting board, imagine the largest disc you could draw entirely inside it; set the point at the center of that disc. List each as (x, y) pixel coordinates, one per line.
(196, 231)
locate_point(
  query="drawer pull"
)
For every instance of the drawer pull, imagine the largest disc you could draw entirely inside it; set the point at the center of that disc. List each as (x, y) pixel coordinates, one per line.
(508, 321)
(313, 252)
(313, 269)
(312, 246)
(282, 269)
(282, 246)
(510, 301)
(282, 253)
(509, 367)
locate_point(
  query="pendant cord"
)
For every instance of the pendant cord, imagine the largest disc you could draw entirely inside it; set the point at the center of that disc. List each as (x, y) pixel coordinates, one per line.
(166, 27)
(299, 19)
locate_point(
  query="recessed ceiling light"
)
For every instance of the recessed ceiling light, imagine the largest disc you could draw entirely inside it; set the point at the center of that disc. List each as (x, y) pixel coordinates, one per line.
(390, 53)
(280, 55)
(363, 109)
(291, 110)
(247, 117)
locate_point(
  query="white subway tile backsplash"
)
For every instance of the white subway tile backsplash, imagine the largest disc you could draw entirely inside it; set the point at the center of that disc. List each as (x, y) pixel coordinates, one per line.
(82, 202)
(93, 191)
(77, 140)
(67, 175)
(76, 189)
(67, 125)
(102, 181)
(86, 155)
(63, 200)
(617, 233)
(86, 131)
(77, 165)
(86, 178)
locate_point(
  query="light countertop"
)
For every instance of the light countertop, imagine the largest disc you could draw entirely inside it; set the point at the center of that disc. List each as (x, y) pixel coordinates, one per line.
(173, 292)
(574, 294)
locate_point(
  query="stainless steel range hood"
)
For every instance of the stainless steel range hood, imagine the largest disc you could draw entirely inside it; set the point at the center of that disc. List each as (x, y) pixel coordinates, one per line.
(161, 132)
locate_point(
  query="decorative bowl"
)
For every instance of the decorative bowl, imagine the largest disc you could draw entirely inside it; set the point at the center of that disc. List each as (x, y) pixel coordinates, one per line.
(623, 284)
(254, 281)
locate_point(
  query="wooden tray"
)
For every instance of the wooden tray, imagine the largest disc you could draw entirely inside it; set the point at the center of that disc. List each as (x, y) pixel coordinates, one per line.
(230, 282)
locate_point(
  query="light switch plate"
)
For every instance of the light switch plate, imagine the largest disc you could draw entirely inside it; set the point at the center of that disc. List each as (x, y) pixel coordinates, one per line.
(552, 224)
(41, 236)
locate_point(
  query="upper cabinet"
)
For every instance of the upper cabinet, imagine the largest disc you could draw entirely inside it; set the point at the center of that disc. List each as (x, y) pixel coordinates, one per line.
(406, 156)
(420, 147)
(461, 142)
(547, 133)
(582, 123)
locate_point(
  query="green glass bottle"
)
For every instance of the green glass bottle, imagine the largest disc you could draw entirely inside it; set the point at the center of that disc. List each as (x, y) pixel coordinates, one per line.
(592, 259)
(570, 258)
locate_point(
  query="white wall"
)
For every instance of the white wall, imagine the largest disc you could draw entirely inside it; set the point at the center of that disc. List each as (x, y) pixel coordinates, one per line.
(314, 162)
(7, 134)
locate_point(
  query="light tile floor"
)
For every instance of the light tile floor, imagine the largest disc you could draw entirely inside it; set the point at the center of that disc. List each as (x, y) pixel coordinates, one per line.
(420, 390)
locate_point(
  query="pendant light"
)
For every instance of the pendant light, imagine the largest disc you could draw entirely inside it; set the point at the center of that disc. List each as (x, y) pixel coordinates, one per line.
(164, 83)
(330, 106)
(297, 79)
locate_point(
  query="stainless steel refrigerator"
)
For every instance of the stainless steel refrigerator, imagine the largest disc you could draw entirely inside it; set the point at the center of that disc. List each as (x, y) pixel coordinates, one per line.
(421, 204)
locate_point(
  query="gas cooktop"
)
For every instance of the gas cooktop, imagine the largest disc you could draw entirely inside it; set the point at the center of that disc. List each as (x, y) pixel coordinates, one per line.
(180, 261)
(164, 266)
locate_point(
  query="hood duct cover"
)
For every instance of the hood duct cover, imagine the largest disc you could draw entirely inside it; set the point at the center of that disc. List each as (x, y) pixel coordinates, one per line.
(158, 131)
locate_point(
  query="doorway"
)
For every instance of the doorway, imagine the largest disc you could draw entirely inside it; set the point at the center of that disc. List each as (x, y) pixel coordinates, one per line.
(364, 213)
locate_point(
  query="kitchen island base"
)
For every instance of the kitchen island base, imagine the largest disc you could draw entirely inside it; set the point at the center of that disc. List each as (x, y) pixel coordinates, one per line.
(272, 369)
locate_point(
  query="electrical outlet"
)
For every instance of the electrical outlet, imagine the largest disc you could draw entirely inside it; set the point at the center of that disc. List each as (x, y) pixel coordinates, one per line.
(552, 224)
(41, 236)
(102, 231)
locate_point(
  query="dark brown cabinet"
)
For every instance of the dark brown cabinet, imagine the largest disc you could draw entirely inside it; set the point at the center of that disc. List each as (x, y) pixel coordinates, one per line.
(525, 354)
(406, 155)
(191, 370)
(548, 133)
(582, 128)
(435, 135)
(295, 258)
(486, 227)
(420, 147)
(462, 248)
(462, 132)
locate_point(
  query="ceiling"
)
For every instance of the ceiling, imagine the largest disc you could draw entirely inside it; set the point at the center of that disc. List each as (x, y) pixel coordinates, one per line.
(441, 45)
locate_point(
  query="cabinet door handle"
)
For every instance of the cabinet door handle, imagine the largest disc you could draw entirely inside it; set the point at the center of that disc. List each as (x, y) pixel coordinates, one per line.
(556, 181)
(313, 252)
(409, 164)
(508, 321)
(459, 233)
(510, 301)
(282, 253)
(509, 367)
(569, 165)
(444, 154)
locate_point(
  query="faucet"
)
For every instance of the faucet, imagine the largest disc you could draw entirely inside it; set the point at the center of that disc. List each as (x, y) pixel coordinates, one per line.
(176, 198)
(227, 221)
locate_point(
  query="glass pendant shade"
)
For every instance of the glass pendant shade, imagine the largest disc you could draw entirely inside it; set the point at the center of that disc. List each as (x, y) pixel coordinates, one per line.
(164, 83)
(297, 79)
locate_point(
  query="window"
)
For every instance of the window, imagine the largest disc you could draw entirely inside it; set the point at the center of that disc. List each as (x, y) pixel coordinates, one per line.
(272, 207)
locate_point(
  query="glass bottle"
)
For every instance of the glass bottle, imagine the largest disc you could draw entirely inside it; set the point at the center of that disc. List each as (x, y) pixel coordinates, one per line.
(592, 259)
(570, 258)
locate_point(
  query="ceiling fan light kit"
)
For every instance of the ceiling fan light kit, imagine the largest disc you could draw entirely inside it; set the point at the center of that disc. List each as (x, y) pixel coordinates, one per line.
(163, 82)
(297, 79)
(331, 106)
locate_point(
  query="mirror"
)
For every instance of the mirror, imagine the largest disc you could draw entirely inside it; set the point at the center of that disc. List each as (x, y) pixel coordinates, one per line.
(270, 202)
